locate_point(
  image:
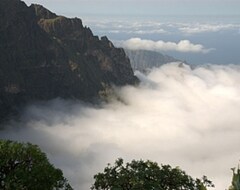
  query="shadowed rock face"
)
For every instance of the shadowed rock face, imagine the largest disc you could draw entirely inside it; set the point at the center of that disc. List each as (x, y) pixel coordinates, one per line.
(44, 56)
(143, 60)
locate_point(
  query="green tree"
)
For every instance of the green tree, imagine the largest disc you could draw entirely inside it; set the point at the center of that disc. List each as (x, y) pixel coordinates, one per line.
(146, 175)
(24, 166)
(235, 180)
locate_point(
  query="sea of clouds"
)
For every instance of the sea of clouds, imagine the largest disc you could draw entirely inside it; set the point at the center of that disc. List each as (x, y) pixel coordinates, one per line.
(161, 26)
(194, 39)
(187, 117)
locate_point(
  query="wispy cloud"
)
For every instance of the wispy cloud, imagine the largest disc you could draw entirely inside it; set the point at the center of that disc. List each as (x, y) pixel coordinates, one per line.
(127, 27)
(154, 31)
(181, 46)
(157, 27)
(202, 28)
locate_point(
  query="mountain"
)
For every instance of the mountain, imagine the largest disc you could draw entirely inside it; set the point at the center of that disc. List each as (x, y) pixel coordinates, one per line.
(44, 56)
(143, 59)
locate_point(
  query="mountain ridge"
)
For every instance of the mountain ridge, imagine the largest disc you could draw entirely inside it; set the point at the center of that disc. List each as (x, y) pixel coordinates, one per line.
(44, 56)
(143, 60)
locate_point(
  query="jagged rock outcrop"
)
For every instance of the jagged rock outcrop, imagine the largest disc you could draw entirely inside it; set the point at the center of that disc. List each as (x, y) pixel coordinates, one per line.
(144, 59)
(44, 56)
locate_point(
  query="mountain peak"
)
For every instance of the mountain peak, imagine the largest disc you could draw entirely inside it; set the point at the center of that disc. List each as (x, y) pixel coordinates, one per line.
(42, 12)
(45, 56)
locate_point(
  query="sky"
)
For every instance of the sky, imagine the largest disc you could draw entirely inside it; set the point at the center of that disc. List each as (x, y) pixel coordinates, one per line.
(141, 7)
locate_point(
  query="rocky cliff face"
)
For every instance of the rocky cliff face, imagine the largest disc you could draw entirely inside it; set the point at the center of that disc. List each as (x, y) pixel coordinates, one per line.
(44, 56)
(143, 59)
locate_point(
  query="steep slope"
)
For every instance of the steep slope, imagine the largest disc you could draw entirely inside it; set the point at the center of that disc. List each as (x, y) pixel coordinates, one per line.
(44, 56)
(144, 59)
(84, 48)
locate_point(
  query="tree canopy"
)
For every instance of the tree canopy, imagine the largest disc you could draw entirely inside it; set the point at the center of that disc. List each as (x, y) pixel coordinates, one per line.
(235, 180)
(146, 175)
(24, 166)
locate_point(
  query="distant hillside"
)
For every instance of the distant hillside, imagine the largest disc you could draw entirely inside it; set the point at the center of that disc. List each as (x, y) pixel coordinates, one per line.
(44, 56)
(144, 59)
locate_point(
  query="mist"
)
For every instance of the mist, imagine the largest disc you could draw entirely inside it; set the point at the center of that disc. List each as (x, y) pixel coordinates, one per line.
(182, 116)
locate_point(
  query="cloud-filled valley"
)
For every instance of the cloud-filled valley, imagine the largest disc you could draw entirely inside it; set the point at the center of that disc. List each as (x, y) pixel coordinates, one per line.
(177, 115)
(184, 112)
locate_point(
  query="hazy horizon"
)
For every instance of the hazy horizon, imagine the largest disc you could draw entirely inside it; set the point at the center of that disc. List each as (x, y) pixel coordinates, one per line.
(142, 7)
(214, 25)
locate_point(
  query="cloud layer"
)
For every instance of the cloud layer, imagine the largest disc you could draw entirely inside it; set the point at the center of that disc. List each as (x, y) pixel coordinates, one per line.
(167, 27)
(179, 116)
(203, 28)
(181, 46)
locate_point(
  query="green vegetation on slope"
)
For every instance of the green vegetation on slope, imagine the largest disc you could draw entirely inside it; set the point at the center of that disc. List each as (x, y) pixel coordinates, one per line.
(235, 180)
(26, 167)
(146, 175)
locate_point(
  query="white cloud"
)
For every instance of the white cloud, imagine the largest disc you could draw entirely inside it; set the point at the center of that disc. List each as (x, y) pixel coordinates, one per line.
(153, 31)
(126, 27)
(132, 28)
(201, 28)
(141, 32)
(181, 46)
(179, 116)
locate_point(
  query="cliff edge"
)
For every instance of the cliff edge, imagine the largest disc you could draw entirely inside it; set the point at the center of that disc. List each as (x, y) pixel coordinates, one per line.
(44, 56)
